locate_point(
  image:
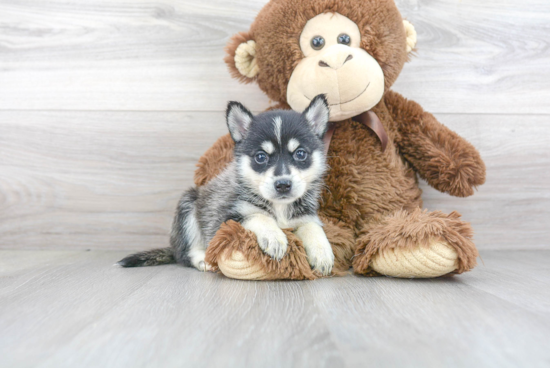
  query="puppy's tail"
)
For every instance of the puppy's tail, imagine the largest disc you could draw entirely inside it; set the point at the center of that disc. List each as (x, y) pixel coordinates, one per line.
(152, 257)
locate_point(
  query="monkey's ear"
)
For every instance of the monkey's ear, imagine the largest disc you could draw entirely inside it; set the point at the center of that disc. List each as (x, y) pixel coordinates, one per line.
(241, 57)
(317, 115)
(238, 120)
(411, 35)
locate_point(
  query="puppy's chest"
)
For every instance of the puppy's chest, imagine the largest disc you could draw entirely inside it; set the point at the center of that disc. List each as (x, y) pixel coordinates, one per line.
(284, 218)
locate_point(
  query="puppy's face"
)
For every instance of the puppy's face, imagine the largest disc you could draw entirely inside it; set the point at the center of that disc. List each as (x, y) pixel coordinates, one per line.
(281, 158)
(280, 153)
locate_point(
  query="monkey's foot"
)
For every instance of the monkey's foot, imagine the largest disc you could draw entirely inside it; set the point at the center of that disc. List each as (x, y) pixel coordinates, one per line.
(416, 245)
(236, 266)
(434, 260)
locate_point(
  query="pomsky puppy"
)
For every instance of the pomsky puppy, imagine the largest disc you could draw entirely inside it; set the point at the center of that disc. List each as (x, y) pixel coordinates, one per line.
(273, 183)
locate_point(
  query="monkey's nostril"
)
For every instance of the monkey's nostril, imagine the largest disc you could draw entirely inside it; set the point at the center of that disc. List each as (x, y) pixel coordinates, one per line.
(323, 64)
(348, 58)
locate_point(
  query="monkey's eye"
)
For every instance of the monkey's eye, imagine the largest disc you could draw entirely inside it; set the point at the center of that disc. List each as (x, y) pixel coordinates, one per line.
(344, 39)
(317, 42)
(300, 155)
(261, 158)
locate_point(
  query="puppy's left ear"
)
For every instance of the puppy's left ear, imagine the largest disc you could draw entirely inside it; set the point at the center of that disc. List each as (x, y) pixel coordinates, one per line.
(238, 120)
(317, 115)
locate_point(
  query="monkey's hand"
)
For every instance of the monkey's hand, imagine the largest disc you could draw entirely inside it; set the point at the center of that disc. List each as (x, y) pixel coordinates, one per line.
(440, 156)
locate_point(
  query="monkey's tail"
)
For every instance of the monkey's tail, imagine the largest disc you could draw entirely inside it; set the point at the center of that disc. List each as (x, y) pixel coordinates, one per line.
(152, 257)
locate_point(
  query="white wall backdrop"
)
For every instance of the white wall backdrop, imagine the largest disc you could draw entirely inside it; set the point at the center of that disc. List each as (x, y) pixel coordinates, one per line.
(105, 106)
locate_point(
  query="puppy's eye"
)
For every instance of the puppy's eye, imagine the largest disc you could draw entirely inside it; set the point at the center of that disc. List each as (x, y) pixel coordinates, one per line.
(344, 39)
(261, 158)
(317, 42)
(300, 155)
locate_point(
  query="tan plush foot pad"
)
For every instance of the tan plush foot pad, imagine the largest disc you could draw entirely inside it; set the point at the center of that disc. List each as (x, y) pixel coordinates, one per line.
(436, 259)
(234, 251)
(236, 266)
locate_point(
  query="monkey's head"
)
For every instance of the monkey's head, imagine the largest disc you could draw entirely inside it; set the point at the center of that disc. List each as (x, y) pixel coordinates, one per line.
(350, 50)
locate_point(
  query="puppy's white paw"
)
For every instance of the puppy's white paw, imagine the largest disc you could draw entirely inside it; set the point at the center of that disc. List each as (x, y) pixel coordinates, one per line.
(273, 242)
(320, 257)
(203, 266)
(318, 249)
(271, 239)
(197, 260)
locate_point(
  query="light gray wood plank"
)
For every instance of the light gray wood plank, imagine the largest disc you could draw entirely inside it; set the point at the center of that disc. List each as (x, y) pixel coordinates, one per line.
(510, 210)
(441, 322)
(10, 264)
(121, 55)
(82, 180)
(51, 304)
(503, 274)
(82, 311)
(477, 57)
(21, 267)
(111, 180)
(158, 316)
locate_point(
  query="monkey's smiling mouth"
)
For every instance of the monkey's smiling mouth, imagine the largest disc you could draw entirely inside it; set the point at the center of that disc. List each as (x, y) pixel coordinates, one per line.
(348, 101)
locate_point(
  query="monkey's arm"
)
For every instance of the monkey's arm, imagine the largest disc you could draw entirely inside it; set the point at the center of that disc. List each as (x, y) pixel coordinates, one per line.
(214, 160)
(440, 156)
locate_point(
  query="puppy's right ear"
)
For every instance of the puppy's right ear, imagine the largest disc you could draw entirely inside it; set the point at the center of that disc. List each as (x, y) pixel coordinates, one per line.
(238, 120)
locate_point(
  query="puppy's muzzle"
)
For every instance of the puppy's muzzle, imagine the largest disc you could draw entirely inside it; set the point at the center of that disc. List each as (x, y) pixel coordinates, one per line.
(283, 186)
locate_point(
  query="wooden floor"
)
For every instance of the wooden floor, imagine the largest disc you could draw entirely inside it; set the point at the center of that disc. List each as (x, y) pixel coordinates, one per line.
(74, 309)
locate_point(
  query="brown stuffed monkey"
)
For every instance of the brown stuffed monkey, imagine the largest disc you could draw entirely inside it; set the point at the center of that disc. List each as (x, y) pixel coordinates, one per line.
(353, 51)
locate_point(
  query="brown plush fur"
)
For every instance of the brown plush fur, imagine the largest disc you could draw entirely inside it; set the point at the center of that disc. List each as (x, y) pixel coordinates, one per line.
(440, 156)
(214, 160)
(294, 265)
(233, 237)
(372, 199)
(342, 239)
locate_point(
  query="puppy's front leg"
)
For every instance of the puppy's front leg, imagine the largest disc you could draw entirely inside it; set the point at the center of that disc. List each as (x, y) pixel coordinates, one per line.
(271, 238)
(318, 249)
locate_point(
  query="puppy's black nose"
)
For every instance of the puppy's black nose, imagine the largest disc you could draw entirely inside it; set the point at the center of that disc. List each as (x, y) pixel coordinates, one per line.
(283, 186)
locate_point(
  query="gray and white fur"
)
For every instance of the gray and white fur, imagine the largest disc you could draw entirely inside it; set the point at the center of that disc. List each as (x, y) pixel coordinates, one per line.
(273, 183)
